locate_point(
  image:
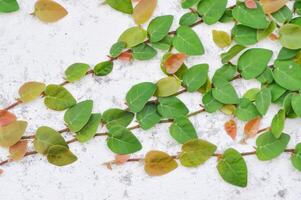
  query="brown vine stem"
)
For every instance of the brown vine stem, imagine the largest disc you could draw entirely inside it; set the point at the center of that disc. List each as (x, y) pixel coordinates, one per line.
(99, 134)
(218, 155)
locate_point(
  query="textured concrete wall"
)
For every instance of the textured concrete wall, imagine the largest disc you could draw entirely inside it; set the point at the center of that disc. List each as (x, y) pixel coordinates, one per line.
(32, 50)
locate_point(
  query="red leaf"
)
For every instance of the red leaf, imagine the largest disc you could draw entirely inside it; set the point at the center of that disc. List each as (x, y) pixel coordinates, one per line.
(252, 127)
(6, 117)
(121, 159)
(174, 62)
(125, 56)
(251, 4)
(273, 37)
(18, 150)
(231, 128)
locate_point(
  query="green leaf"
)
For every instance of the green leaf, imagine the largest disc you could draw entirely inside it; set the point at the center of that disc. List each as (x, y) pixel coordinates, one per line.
(60, 156)
(269, 147)
(251, 94)
(277, 91)
(283, 15)
(221, 38)
(144, 52)
(10, 134)
(297, 7)
(117, 48)
(89, 130)
(124, 6)
(148, 116)
(227, 16)
(78, 115)
(287, 105)
(287, 74)
(196, 152)
(158, 163)
(286, 54)
(195, 77)
(188, 42)
(210, 103)
(296, 20)
(133, 36)
(115, 116)
(289, 36)
(224, 92)
(122, 141)
(246, 110)
(7, 6)
(226, 72)
(296, 157)
(103, 68)
(232, 168)
(47, 137)
(58, 98)
(139, 94)
(76, 71)
(244, 35)
(212, 10)
(296, 104)
(158, 28)
(266, 77)
(163, 44)
(263, 101)
(254, 18)
(188, 19)
(31, 90)
(171, 107)
(278, 123)
(263, 33)
(189, 3)
(250, 67)
(231, 53)
(167, 86)
(182, 130)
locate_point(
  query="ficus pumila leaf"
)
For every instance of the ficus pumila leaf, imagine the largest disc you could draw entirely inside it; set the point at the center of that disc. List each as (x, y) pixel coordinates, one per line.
(31, 90)
(6, 117)
(196, 152)
(60, 156)
(76, 71)
(221, 38)
(158, 163)
(171, 107)
(103, 68)
(7, 6)
(89, 130)
(139, 94)
(195, 77)
(182, 130)
(115, 116)
(11, 133)
(173, 62)
(148, 116)
(133, 36)
(18, 150)
(231, 128)
(49, 11)
(124, 6)
(144, 10)
(167, 86)
(212, 10)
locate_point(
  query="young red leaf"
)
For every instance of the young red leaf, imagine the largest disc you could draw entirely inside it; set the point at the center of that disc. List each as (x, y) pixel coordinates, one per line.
(251, 4)
(6, 117)
(125, 56)
(251, 128)
(121, 159)
(174, 62)
(18, 150)
(231, 128)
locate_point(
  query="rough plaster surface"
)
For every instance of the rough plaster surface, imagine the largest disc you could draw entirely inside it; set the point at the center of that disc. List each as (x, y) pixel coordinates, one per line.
(32, 50)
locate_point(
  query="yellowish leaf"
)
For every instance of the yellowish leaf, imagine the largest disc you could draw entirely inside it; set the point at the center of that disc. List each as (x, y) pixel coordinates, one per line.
(144, 10)
(271, 6)
(221, 38)
(49, 11)
(158, 163)
(18, 150)
(12, 133)
(228, 109)
(231, 128)
(31, 90)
